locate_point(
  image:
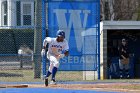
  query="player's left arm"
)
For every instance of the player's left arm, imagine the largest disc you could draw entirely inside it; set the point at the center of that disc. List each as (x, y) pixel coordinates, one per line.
(66, 48)
(66, 51)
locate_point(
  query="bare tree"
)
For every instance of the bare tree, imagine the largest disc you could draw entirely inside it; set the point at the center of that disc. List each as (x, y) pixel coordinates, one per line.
(119, 9)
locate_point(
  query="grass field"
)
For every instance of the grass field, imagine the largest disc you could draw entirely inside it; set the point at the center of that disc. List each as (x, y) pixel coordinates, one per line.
(28, 76)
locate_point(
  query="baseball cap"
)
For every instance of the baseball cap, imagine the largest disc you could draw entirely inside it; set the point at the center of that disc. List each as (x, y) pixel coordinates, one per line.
(60, 33)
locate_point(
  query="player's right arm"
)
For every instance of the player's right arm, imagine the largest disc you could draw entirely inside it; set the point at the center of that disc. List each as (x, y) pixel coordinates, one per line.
(45, 41)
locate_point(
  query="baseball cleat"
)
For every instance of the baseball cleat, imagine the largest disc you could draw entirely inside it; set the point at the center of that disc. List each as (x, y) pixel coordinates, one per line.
(46, 82)
(128, 76)
(121, 76)
(53, 82)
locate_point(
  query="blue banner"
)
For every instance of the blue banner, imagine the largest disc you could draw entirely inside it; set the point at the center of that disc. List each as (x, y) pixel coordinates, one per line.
(80, 21)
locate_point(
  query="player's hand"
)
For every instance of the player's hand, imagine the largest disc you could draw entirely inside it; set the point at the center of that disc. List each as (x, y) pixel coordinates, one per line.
(43, 52)
(60, 56)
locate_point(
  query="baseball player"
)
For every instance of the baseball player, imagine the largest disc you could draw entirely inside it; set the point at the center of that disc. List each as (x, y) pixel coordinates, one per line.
(58, 48)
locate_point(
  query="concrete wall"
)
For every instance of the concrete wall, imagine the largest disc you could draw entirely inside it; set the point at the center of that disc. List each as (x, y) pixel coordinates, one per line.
(103, 54)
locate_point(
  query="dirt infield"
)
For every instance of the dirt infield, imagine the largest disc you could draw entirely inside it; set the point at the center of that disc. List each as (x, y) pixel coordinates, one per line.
(14, 86)
(119, 87)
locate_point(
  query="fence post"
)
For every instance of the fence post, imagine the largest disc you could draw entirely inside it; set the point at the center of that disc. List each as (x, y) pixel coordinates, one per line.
(37, 38)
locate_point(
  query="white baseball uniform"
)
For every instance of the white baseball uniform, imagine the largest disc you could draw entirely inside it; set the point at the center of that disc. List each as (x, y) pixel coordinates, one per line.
(55, 48)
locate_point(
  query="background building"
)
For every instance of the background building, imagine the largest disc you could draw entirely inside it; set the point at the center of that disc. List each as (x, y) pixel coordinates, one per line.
(16, 13)
(120, 20)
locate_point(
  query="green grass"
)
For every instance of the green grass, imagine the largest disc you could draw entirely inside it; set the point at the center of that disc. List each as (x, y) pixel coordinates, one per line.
(28, 76)
(17, 76)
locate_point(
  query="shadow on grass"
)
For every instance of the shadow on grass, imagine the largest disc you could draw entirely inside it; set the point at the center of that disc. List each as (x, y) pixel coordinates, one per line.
(10, 75)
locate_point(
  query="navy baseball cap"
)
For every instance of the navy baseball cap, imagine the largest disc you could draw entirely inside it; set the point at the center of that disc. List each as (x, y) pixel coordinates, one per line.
(60, 33)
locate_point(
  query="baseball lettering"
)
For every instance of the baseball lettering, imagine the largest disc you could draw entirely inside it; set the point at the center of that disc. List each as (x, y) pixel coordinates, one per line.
(75, 20)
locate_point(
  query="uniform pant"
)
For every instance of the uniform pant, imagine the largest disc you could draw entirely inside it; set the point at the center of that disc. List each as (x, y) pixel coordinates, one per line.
(54, 62)
(123, 68)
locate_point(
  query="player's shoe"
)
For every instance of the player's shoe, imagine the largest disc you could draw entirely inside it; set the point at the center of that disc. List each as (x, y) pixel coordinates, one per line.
(128, 76)
(53, 82)
(46, 81)
(121, 76)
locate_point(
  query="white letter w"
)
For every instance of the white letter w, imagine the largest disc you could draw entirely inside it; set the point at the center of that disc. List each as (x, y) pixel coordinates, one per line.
(75, 21)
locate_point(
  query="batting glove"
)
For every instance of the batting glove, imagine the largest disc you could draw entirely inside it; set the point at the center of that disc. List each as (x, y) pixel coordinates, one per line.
(43, 52)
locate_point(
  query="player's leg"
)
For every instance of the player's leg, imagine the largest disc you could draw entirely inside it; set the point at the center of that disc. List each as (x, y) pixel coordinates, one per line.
(127, 70)
(54, 70)
(121, 68)
(49, 72)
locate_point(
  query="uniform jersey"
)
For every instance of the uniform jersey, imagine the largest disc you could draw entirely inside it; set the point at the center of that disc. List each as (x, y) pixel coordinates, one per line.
(123, 50)
(56, 48)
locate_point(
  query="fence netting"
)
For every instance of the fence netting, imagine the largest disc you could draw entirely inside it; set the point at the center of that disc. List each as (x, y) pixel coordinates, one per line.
(20, 59)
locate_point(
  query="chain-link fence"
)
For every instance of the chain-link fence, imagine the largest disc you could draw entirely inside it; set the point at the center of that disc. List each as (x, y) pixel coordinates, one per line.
(16, 45)
(21, 43)
(16, 53)
(17, 32)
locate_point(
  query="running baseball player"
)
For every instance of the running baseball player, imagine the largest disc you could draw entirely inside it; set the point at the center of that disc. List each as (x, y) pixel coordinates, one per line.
(58, 48)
